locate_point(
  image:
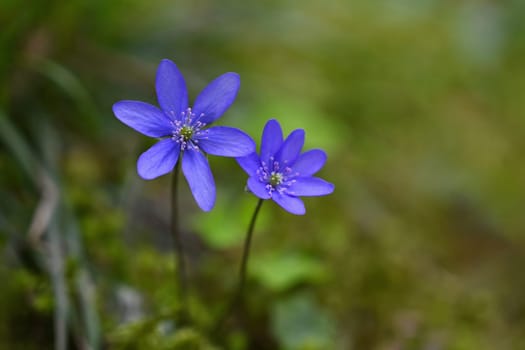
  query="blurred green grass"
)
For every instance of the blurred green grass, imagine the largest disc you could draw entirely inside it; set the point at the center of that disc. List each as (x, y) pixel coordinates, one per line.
(420, 106)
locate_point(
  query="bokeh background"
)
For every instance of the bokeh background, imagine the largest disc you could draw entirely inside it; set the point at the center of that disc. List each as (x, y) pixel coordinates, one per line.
(420, 106)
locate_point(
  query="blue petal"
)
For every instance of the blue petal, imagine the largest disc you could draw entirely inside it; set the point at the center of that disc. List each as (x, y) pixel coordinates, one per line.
(271, 141)
(143, 117)
(171, 89)
(225, 141)
(159, 159)
(291, 147)
(310, 186)
(200, 179)
(258, 188)
(291, 204)
(217, 97)
(309, 162)
(251, 163)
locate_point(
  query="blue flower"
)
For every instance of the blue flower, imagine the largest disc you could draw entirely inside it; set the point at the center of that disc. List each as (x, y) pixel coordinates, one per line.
(281, 172)
(183, 130)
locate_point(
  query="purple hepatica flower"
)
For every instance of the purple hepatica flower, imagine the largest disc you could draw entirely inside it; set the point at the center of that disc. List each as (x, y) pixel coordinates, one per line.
(183, 131)
(281, 173)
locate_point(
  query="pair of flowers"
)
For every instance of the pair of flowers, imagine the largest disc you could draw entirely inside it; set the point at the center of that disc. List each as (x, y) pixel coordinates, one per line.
(279, 172)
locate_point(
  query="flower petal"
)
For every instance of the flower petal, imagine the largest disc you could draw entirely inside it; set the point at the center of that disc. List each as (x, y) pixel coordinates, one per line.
(171, 89)
(226, 141)
(250, 164)
(291, 204)
(291, 147)
(309, 162)
(217, 97)
(310, 186)
(200, 179)
(143, 117)
(258, 188)
(271, 140)
(159, 159)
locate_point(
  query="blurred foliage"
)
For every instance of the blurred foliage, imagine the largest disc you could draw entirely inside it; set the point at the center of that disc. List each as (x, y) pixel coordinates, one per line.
(300, 324)
(419, 104)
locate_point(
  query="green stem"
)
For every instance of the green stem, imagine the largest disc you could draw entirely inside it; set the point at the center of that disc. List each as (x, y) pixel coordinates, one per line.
(237, 299)
(246, 253)
(179, 248)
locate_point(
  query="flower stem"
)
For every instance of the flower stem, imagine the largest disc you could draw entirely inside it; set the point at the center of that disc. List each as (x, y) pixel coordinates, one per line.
(237, 299)
(179, 248)
(246, 253)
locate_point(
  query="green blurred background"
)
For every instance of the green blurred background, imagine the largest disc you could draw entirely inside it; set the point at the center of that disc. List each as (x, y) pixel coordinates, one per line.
(419, 104)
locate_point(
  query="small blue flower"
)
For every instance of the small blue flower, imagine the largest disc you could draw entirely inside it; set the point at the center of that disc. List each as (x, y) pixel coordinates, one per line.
(183, 130)
(281, 172)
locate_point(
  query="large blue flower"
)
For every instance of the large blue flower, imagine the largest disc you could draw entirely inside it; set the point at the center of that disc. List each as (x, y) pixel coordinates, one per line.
(281, 172)
(183, 130)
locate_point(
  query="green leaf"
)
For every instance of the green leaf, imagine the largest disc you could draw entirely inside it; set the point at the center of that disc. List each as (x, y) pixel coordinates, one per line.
(279, 272)
(299, 323)
(226, 225)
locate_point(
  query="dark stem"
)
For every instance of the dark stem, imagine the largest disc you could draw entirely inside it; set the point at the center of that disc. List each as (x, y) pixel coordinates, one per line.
(179, 248)
(246, 254)
(237, 299)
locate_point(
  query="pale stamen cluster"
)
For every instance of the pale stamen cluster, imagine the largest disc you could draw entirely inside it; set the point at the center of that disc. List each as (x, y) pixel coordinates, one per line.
(276, 179)
(188, 130)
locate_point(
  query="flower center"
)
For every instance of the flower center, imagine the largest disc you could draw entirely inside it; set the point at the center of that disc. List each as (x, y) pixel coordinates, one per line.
(187, 130)
(276, 179)
(276, 176)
